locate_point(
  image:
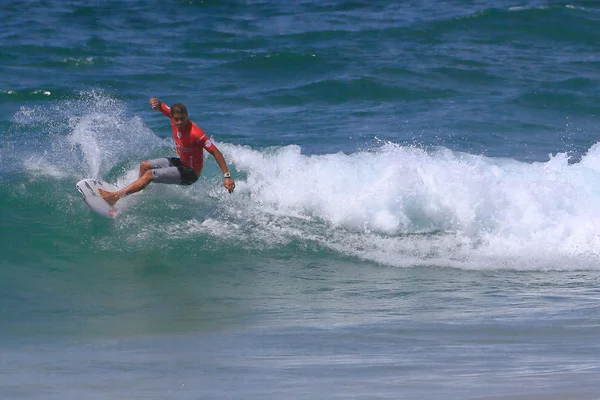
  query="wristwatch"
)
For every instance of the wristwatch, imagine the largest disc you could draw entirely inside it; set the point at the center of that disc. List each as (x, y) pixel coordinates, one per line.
(226, 175)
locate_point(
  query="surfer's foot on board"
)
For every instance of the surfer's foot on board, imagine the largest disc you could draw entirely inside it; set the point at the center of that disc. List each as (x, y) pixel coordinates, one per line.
(110, 197)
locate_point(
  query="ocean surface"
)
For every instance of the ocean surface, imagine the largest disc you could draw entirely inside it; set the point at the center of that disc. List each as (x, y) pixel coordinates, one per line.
(417, 211)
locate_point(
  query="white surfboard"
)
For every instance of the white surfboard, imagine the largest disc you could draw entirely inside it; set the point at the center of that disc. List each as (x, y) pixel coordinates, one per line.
(89, 191)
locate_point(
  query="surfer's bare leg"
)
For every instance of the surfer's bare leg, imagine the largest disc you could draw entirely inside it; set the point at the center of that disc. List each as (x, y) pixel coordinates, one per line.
(144, 166)
(112, 197)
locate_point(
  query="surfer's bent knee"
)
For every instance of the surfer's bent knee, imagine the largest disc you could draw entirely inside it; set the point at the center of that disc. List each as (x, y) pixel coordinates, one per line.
(145, 166)
(147, 176)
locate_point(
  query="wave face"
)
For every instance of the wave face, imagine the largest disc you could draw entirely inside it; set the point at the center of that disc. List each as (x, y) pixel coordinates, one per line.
(390, 204)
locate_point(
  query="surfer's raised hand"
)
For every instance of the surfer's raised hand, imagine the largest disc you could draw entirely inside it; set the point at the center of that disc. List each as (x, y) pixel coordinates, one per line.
(154, 103)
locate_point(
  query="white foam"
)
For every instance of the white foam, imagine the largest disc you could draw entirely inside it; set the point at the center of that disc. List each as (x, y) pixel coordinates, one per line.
(405, 206)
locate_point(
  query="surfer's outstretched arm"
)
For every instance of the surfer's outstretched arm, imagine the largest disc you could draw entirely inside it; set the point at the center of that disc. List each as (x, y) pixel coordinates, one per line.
(228, 182)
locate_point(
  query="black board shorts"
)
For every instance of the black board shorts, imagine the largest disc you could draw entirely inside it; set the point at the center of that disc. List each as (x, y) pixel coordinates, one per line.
(171, 171)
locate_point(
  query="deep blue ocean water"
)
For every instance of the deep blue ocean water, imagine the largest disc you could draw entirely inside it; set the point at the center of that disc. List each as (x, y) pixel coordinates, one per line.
(416, 212)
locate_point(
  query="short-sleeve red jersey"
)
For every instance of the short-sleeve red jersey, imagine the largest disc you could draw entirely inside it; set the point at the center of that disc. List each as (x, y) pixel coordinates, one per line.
(190, 142)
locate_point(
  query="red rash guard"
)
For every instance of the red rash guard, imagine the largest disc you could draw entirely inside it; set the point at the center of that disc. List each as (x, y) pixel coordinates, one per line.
(190, 142)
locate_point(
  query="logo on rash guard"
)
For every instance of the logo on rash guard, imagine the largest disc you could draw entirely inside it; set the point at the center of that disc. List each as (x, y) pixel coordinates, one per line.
(208, 143)
(179, 134)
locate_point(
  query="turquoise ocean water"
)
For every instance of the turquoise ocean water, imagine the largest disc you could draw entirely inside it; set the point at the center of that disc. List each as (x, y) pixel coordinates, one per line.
(416, 213)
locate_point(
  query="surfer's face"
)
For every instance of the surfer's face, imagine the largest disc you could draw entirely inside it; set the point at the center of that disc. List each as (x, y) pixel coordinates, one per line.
(180, 120)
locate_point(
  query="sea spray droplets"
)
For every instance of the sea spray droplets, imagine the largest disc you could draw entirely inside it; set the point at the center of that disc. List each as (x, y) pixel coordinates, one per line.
(84, 136)
(105, 134)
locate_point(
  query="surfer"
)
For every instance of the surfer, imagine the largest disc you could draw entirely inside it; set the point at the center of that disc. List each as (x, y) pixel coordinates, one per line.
(190, 143)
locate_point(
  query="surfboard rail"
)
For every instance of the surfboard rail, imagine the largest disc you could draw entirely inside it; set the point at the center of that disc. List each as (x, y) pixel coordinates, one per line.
(88, 188)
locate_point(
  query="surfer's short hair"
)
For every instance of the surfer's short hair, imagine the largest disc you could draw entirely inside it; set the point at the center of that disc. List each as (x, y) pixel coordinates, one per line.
(179, 109)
